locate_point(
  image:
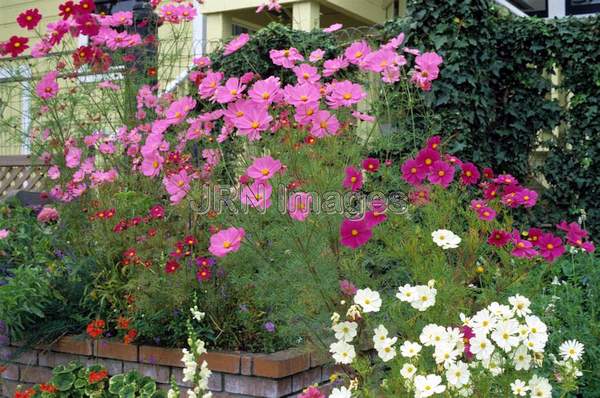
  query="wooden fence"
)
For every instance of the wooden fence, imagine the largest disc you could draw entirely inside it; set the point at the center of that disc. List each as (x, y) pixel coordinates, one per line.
(20, 172)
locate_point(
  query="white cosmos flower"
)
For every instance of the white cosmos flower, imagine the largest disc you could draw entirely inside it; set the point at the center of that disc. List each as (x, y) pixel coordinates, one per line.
(445, 239)
(500, 311)
(519, 388)
(408, 371)
(458, 374)
(483, 322)
(538, 331)
(571, 349)
(445, 353)
(520, 305)
(540, 387)
(380, 335)
(432, 334)
(341, 392)
(481, 347)
(409, 349)
(345, 331)
(369, 300)
(428, 385)
(406, 293)
(387, 352)
(494, 364)
(506, 335)
(522, 359)
(424, 297)
(342, 352)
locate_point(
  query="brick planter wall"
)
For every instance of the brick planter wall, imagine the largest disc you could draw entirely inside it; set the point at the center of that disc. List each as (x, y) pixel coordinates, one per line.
(235, 374)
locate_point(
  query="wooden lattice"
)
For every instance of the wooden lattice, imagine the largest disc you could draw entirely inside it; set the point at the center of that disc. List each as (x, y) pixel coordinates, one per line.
(20, 173)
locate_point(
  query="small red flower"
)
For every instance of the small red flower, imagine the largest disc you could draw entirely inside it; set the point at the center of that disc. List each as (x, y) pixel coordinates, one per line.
(190, 240)
(49, 388)
(157, 211)
(16, 45)
(371, 165)
(122, 323)
(203, 274)
(130, 253)
(29, 19)
(152, 232)
(130, 336)
(66, 9)
(171, 266)
(95, 328)
(98, 376)
(86, 6)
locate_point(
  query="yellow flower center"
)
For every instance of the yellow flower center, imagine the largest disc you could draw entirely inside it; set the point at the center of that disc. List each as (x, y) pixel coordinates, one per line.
(354, 232)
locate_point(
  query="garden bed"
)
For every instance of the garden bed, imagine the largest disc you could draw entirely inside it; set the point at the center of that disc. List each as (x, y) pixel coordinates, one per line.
(280, 374)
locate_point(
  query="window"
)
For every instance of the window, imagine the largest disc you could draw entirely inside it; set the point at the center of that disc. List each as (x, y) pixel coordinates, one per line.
(237, 29)
(538, 8)
(574, 7)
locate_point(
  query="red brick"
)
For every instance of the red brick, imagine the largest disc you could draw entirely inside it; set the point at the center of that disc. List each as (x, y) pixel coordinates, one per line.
(35, 374)
(53, 359)
(116, 350)
(222, 362)
(113, 366)
(161, 356)
(318, 359)
(257, 387)
(306, 379)
(159, 373)
(281, 364)
(246, 364)
(11, 372)
(73, 345)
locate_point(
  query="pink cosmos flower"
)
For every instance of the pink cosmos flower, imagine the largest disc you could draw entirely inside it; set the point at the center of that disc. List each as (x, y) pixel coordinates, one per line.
(286, 58)
(490, 192)
(345, 94)
(178, 110)
(353, 179)
(4, 233)
(412, 172)
(333, 28)
(47, 87)
(381, 60)
(152, 164)
(370, 165)
(48, 214)
(377, 214)
(426, 158)
(486, 214)
(506, 179)
(54, 173)
(209, 84)
(347, 288)
(231, 91)
(255, 120)
(499, 238)
(177, 185)
(433, 142)
(73, 157)
(324, 123)
(302, 94)
(226, 241)
(357, 51)
(354, 233)
(306, 73)
(316, 55)
(551, 247)
(257, 195)
(470, 175)
(523, 248)
(441, 173)
(395, 42)
(312, 392)
(237, 43)
(306, 113)
(526, 197)
(426, 70)
(363, 116)
(299, 205)
(478, 204)
(263, 168)
(332, 66)
(266, 91)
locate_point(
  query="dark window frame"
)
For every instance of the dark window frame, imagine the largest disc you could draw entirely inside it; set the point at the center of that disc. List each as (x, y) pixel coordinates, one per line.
(581, 9)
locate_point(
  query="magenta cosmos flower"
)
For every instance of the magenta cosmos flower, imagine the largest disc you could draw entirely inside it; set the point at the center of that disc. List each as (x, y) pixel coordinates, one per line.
(299, 205)
(236, 44)
(551, 247)
(177, 185)
(426, 157)
(47, 87)
(226, 241)
(377, 214)
(29, 19)
(370, 165)
(441, 174)
(257, 195)
(412, 172)
(499, 238)
(470, 175)
(355, 233)
(353, 179)
(263, 168)
(523, 248)
(486, 213)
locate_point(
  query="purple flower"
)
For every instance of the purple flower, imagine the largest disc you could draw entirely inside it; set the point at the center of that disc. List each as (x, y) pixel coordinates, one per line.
(269, 327)
(347, 287)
